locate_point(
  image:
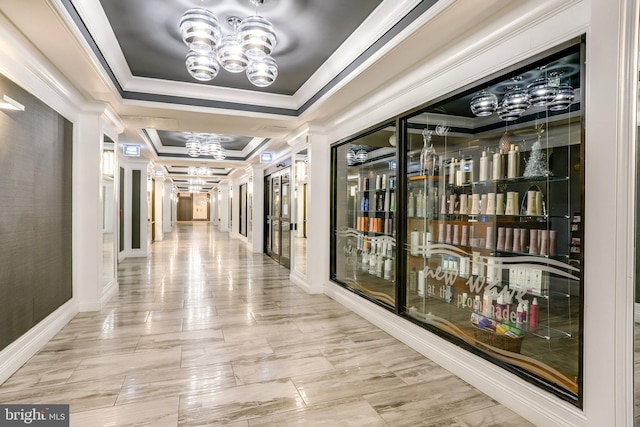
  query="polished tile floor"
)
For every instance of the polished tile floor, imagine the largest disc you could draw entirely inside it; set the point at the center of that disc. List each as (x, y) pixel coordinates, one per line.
(205, 333)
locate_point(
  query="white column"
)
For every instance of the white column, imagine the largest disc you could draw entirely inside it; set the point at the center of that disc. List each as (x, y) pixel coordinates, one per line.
(318, 213)
(167, 207)
(158, 183)
(213, 206)
(235, 209)
(257, 207)
(224, 207)
(87, 212)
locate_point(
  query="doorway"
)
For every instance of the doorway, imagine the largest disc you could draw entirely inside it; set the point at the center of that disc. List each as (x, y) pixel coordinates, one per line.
(278, 216)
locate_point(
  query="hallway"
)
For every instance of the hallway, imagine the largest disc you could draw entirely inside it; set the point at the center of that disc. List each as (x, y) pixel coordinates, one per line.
(206, 333)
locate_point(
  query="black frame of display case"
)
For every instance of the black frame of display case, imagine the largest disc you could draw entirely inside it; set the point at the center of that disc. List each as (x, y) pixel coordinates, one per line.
(401, 122)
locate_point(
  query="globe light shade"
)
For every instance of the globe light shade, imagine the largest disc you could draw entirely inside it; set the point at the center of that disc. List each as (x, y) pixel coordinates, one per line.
(231, 56)
(484, 103)
(362, 156)
(542, 91)
(263, 72)
(351, 157)
(202, 67)
(257, 36)
(563, 98)
(200, 30)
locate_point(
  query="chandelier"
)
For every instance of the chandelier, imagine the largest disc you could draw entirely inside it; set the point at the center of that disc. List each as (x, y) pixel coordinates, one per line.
(246, 49)
(200, 171)
(205, 144)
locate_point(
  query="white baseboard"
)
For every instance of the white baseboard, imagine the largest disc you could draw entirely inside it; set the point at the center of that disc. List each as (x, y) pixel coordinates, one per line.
(21, 350)
(108, 292)
(530, 402)
(300, 281)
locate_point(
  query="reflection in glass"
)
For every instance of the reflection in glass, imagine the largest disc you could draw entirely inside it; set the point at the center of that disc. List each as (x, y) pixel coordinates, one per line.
(300, 220)
(108, 215)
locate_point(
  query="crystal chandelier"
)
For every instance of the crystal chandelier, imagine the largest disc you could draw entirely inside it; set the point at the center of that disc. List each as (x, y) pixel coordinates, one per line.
(248, 48)
(205, 144)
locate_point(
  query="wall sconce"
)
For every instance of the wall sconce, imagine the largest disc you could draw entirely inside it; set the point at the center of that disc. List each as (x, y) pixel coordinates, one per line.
(7, 103)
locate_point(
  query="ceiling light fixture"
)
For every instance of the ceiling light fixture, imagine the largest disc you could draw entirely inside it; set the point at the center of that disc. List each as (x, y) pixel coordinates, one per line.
(205, 144)
(200, 171)
(248, 48)
(546, 91)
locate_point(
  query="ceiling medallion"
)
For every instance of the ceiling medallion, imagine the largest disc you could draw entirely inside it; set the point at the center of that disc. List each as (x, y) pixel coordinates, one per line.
(248, 48)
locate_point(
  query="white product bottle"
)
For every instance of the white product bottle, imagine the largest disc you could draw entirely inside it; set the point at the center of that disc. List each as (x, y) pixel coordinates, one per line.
(421, 283)
(484, 167)
(512, 165)
(415, 241)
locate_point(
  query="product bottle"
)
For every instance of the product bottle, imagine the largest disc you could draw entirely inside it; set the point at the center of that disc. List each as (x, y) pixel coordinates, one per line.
(413, 281)
(487, 302)
(415, 237)
(452, 172)
(512, 166)
(519, 314)
(410, 207)
(419, 212)
(498, 170)
(484, 167)
(534, 312)
(421, 283)
(499, 307)
(387, 268)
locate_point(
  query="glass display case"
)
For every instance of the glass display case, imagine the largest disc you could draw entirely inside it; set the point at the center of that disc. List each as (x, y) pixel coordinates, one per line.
(363, 256)
(493, 203)
(472, 225)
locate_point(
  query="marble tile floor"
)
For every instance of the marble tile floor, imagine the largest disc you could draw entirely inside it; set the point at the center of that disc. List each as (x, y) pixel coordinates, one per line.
(205, 333)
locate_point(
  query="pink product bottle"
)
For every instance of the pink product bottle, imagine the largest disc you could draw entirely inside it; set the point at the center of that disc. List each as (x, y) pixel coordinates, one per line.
(443, 204)
(500, 242)
(465, 236)
(489, 239)
(552, 242)
(449, 238)
(456, 235)
(544, 242)
(452, 204)
(508, 239)
(516, 240)
(523, 240)
(441, 235)
(533, 241)
(534, 314)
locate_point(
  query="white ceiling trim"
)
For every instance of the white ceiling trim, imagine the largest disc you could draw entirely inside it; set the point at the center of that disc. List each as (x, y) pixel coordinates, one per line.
(381, 20)
(376, 25)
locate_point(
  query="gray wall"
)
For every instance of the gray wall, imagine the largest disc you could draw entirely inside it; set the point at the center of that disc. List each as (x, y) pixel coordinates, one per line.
(35, 213)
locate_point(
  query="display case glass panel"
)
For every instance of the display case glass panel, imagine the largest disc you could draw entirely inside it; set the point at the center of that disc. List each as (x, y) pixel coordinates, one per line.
(364, 215)
(493, 235)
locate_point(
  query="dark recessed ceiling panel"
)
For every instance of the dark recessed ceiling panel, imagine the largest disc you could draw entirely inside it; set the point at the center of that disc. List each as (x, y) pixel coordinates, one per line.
(308, 33)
